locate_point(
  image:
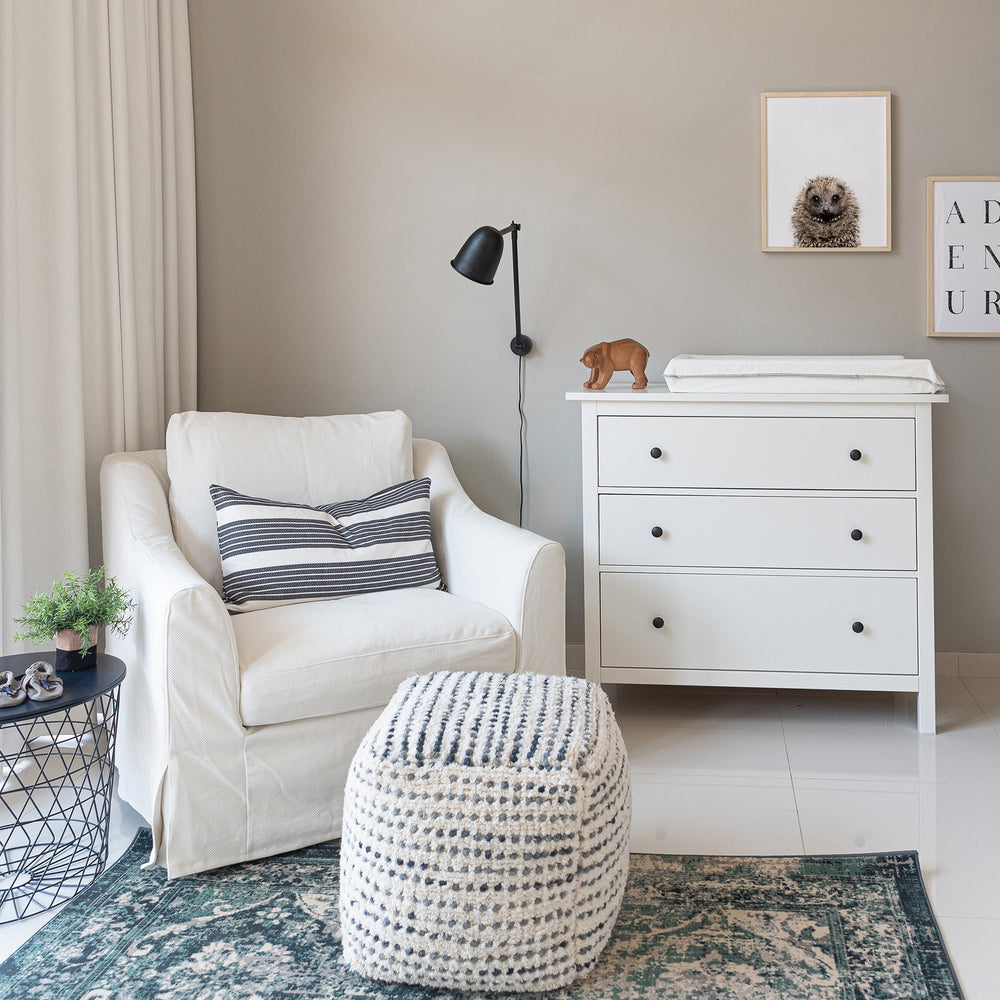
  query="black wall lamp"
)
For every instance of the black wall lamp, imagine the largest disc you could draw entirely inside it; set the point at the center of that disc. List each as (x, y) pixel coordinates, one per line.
(479, 259)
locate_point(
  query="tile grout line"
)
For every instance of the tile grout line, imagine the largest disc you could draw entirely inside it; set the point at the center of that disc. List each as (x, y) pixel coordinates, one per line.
(791, 776)
(986, 715)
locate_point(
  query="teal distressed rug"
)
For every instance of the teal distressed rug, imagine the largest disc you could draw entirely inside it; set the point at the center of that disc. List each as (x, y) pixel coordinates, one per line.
(850, 927)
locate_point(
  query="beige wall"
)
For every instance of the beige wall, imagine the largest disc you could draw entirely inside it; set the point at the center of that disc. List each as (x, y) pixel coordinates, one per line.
(345, 148)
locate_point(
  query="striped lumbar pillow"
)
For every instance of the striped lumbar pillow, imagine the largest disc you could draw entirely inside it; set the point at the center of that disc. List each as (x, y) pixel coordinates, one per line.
(276, 553)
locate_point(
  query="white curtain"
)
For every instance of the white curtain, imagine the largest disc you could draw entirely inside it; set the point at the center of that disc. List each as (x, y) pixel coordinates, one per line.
(97, 265)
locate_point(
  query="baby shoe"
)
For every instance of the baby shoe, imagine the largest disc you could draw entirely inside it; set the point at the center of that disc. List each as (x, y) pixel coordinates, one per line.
(41, 682)
(11, 690)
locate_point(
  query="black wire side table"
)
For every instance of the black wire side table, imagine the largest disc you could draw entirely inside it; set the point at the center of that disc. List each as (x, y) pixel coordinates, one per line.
(57, 764)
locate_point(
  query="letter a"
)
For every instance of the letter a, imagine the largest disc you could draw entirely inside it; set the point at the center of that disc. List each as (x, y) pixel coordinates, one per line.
(955, 210)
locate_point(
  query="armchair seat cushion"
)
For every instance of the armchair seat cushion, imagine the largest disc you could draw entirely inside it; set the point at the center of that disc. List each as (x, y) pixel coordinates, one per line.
(326, 658)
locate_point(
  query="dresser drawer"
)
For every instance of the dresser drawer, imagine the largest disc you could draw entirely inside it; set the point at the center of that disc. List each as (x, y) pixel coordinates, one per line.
(751, 622)
(759, 532)
(772, 453)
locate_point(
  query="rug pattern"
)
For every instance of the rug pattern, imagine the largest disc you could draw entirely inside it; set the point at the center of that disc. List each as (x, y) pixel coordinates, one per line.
(716, 928)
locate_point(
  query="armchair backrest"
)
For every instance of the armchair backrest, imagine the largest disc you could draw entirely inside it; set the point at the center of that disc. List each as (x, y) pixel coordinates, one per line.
(311, 460)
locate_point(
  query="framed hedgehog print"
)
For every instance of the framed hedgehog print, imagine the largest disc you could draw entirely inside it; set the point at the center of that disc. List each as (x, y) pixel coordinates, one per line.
(825, 171)
(963, 256)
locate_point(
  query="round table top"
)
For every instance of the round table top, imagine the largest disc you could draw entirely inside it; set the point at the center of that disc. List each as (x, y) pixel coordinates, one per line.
(79, 686)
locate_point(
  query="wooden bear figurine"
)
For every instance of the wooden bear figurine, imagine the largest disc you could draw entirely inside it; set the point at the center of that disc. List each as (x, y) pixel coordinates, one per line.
(605, 359)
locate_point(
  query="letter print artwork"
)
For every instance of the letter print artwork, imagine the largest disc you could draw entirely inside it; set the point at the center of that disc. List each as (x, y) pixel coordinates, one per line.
(963, 256)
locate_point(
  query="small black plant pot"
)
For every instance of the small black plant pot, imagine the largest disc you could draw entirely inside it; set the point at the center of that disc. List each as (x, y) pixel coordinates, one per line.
(73, 659)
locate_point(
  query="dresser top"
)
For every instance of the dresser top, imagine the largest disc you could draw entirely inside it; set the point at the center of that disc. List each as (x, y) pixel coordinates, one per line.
(624, 393)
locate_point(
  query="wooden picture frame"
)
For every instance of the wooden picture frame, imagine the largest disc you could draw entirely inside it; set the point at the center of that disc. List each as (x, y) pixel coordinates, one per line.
(963, 256)
(826, 169)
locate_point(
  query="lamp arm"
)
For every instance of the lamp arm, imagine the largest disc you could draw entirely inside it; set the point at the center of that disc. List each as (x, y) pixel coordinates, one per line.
(519, 345)
(517, 282)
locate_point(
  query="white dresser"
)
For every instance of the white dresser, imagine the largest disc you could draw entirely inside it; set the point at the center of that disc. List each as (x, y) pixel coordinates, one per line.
(759, 540)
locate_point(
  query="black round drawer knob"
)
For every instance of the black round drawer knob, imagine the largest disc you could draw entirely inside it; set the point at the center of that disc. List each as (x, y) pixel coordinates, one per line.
(657, 623)
(657, 532)
(655, 452)
(857, 534)
(858, 626)
(855, 455)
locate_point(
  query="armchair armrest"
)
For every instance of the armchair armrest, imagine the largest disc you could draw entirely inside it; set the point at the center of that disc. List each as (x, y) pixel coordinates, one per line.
(518, 573)
(180, 698)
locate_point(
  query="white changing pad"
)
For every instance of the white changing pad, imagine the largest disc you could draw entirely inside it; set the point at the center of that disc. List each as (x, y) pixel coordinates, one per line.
(889, 373)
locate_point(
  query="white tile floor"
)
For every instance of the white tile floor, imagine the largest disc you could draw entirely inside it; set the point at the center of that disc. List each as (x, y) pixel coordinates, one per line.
(764, 772)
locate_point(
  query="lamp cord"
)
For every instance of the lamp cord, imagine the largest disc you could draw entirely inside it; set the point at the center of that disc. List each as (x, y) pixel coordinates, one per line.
(521, 436)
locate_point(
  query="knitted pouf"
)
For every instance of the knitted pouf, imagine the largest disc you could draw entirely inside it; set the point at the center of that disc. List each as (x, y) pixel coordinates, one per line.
(485, 838)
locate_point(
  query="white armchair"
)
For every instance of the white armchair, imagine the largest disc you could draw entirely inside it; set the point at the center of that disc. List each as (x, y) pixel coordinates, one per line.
(236, 731)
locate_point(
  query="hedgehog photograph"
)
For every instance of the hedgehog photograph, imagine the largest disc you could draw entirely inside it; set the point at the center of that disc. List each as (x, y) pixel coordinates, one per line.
(826, 215)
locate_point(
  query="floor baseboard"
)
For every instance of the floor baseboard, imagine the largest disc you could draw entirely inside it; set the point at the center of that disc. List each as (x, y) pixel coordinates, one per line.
(975, 664)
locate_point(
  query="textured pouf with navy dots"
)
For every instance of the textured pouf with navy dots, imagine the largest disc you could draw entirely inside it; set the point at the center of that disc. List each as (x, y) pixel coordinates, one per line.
(485, 837)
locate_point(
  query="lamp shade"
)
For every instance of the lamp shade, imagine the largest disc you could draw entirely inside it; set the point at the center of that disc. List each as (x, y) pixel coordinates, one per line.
(480, 255)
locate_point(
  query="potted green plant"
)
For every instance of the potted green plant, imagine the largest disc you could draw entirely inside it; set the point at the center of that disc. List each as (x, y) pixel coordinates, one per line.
(72, 612)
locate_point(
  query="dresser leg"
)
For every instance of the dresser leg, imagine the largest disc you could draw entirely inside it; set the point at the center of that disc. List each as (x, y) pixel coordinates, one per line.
(926, 708)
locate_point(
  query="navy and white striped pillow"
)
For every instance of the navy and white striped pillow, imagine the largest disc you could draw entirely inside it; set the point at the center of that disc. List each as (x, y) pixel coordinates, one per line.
(276, 553)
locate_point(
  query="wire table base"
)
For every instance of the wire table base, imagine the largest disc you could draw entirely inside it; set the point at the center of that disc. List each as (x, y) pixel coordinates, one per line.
(56, 777)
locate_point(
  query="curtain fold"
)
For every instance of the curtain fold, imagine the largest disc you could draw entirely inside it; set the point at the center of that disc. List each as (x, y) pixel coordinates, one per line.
(97, 265)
